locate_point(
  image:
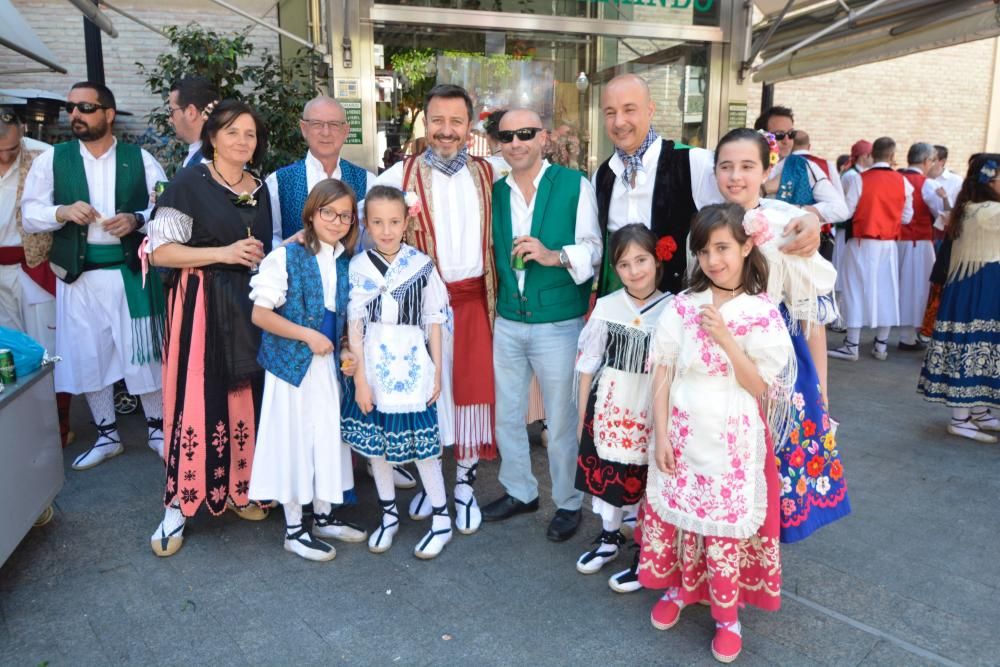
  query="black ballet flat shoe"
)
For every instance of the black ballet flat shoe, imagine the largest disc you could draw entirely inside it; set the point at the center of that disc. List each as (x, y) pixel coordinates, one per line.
(507, 506)
(563, 525)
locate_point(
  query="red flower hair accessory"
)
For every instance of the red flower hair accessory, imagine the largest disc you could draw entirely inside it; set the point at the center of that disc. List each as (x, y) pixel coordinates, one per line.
(665, 248)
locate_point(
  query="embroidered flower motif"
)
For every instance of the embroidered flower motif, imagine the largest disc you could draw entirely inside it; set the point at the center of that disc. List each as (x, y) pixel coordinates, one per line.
(822, 485)
(815, 466)
(988, 172)
(757, 227)
(836, 470)
(665, 248)
(413, 204)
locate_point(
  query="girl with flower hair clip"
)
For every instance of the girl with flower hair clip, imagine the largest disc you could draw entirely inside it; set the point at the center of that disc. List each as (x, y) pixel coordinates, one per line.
(722, 370)
(614, 393)
(814, 490)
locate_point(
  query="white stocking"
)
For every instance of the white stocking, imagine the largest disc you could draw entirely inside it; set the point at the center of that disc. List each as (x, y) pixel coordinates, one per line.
(433, 480)
(382, 472)
(152, 404)
(102, 405)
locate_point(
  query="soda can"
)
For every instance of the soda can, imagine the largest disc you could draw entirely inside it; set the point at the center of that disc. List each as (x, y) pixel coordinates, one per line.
(8, 374)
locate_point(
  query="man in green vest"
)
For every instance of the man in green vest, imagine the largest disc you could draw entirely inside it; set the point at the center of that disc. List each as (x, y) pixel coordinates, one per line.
(546, 242)
(93, 195)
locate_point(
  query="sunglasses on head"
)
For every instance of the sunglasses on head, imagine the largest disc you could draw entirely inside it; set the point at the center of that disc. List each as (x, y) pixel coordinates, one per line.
(84, 107)
(524, 134)
(781, 135)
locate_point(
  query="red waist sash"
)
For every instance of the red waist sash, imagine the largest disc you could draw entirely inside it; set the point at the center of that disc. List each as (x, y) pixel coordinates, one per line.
(41, 274)
(472, 367)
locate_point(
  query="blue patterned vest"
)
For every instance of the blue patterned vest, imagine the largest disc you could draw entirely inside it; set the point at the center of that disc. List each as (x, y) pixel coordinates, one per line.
(289, 359)
(293, 190)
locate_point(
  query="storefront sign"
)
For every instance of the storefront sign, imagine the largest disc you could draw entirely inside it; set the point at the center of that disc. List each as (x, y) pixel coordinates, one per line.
(352, 107)
(698, 5)
(737, 115)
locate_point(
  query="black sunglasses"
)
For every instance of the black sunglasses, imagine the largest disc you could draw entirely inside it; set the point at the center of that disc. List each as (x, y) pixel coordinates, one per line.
(524, 134)
(778, 136)
(84, 107)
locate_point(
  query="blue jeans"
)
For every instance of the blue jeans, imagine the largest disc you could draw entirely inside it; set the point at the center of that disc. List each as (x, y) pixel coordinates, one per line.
(550, 351)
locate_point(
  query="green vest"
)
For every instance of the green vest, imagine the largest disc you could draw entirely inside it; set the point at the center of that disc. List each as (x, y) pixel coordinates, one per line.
(550, 294)
(69, 242)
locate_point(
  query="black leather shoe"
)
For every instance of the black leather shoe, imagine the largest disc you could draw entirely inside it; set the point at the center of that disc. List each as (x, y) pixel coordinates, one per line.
(563, 525)
(507, 506)
(912, 347)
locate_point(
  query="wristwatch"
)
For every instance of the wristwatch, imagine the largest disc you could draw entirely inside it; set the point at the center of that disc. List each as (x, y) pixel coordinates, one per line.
(140, 220)
(564, 259)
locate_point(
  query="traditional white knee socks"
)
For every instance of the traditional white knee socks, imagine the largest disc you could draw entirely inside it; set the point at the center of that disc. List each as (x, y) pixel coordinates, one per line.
(432, 478)
(381, 538)
(152, 406)
(102, 405)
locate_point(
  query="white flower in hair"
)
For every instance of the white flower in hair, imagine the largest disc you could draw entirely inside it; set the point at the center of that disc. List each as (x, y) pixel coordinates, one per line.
(209, 108)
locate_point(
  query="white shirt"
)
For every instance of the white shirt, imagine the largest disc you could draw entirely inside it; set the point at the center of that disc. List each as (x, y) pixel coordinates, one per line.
(192, 149)
(583, 255)
(635, 204)
(314, 174)
(457, 233)
(828, 192)
(853, 194)
(38, 213)
(9, 236)
(952, 184)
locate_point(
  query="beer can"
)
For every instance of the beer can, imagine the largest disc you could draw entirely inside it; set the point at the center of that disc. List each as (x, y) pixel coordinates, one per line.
(8, 374)
(160, 187)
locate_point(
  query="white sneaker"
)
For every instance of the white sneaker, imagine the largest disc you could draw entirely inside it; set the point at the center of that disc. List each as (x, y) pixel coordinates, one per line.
(848, 352)
(434, 541)
(169, 535)
(968, 429)
(381, 538)
(108, 445)
(328, 525)
(420, 506)
(299, 542)
(605, 552)
(880, 350)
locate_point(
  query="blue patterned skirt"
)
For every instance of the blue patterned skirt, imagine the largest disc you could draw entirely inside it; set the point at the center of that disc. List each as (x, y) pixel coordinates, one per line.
(962, 364)
(813, 485)
(399, 437)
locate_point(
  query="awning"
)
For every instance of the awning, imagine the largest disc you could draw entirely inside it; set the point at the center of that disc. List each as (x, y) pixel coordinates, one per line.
(819, 36)
(16, 34)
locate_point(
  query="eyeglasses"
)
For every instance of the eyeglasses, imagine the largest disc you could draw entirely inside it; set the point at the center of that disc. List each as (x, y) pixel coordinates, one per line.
(327, 214)
(84, 107)
(524, 134)
(779, 136)
(8, 117)
(172, 110)
(332, 125)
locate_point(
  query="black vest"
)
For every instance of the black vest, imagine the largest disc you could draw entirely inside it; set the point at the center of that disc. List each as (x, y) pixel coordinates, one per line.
(672, 210)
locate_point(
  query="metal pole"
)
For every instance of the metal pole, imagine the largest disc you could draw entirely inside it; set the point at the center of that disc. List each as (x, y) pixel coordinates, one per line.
(134, 19)
(93, 50)
(264, 24)
(766, 97)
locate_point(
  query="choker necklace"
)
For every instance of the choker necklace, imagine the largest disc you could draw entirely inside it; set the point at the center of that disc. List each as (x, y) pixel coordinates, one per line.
(231, 185)
(640, 298)
(732, 291)
(387, 256)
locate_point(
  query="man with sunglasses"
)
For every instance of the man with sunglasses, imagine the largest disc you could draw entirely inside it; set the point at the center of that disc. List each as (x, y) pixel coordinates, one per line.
(186, 105)
(780, 122)
(93, 194)
(449, 193)
(546, 243)
(325, 128)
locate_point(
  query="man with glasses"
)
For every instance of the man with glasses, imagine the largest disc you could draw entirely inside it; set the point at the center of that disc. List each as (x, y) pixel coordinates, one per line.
(916, 245)
(451, 215)
(93, 195)
(186, 113)
(324, 126)
(545, 219)
(780, 122)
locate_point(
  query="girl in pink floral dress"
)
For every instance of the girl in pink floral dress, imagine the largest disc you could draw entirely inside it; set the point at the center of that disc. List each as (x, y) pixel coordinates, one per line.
(710, 529)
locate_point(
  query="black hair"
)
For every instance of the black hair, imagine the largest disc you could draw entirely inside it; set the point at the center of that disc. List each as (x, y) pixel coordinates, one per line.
(972, 191)
(104, 95)
(449, 91)
(715, 216)
(746, 134)
(492, 124)
(385, 193)
(883, 148)
(638, 234)
(842, 161)
(942, 152)
(222, 116)
(196, 90)
(770, 112)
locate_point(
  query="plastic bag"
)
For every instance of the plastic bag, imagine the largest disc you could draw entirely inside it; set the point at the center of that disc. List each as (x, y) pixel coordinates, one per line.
(28, 354)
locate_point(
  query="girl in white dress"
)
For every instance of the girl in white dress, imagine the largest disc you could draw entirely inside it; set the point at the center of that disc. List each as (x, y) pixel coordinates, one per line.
(300, 298)
(398, 304)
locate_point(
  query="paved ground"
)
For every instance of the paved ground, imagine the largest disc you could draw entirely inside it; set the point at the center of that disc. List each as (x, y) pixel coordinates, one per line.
(911, 578)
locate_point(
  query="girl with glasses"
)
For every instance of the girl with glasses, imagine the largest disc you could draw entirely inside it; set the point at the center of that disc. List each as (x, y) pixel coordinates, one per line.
(300, 301)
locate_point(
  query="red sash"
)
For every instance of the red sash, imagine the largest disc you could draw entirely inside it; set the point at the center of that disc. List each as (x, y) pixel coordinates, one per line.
(472, 368)
(42, 274)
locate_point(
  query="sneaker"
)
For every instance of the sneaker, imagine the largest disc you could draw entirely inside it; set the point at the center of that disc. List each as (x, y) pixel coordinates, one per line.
(967, 428)
(606, 551)
(107, 445)
(435, 540)
(627, 581)
(848, 351)
(328, 525)
(726, 645)
(667, 611)
(299, 542)
(880, 349)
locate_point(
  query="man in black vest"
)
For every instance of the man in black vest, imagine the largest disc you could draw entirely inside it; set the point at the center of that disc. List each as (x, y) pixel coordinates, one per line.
(661, 184)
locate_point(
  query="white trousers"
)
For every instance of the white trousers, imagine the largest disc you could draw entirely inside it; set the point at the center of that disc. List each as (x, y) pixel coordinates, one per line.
(916, 259)
(871, 284)
(25, 306)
